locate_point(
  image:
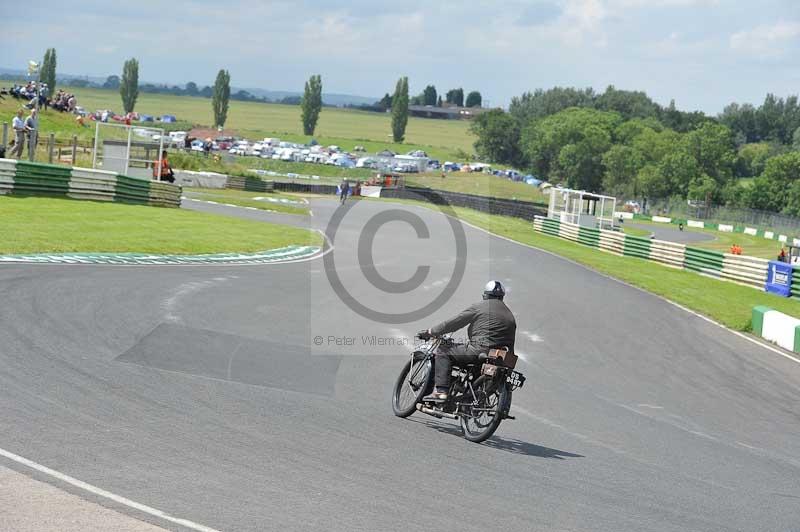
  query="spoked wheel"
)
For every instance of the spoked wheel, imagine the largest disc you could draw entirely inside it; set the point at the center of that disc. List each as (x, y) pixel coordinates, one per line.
(412, 384)
(480, 419)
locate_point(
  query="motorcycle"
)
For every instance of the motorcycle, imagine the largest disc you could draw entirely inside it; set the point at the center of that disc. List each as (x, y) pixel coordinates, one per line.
(479, 396)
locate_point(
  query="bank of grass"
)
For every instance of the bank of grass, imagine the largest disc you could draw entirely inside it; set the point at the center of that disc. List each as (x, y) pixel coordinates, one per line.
(477, 183)
(54, 225)
(635, 231)
(243, 198)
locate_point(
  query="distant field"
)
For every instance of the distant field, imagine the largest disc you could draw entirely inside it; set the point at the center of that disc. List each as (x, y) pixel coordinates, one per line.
(442, 139)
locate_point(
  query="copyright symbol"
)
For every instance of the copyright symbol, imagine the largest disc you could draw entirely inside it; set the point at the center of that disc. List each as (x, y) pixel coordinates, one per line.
(318, 340)
(368, 268)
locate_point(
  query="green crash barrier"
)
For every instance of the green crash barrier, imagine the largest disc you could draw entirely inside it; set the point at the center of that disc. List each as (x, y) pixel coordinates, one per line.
(26, 178)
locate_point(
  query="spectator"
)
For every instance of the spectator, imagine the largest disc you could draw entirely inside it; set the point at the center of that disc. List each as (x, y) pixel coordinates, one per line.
(166, 172)
(19, 134)
(32, 128)
(782, 255)
(736, 249)
(207, 146)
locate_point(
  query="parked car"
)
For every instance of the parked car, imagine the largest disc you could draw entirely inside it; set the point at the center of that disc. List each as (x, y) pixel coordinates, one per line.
(434, 164)
(197, 145)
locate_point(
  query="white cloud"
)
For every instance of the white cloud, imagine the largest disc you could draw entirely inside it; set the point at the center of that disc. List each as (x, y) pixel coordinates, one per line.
(767, 40)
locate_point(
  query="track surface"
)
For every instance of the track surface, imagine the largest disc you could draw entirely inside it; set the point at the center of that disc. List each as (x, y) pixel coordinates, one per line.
(671, 234)
(199, 391)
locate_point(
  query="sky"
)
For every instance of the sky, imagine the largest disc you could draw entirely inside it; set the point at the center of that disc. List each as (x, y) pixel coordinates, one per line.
(703, 53)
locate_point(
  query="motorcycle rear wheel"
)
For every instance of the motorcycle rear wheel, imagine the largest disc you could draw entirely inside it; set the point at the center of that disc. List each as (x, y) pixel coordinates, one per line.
(407, 394)
(479, 421)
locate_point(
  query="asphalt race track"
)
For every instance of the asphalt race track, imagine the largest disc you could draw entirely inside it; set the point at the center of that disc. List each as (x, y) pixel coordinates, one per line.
(672, 234)
(200, 391)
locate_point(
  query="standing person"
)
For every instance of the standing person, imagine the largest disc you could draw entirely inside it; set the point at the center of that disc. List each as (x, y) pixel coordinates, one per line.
(32, 128)
(344, 190)
(19, 134)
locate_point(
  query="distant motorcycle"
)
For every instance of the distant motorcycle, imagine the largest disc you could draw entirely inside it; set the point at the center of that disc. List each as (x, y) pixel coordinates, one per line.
(479, 395)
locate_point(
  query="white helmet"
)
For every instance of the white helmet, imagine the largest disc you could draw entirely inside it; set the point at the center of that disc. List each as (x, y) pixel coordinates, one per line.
(494, 290)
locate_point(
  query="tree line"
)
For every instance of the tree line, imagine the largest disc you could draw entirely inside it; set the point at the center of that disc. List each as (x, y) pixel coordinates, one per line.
(625, 144)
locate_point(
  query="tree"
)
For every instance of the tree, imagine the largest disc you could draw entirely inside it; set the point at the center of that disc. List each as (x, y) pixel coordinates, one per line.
(191, 89)
(629, 104)
(400, 110)
(220, 96)
(498, 137)
(455, 96)
(207, 92)
(439, 101)
(474, 99)
(622, 165)
(111, 82)
(701, 188)
(47, 71)
(429, 95)
(385, 102)
(311, 104)
(769, 190)
(129, 85)
(541, 103)
(713, 147)
(569, 146)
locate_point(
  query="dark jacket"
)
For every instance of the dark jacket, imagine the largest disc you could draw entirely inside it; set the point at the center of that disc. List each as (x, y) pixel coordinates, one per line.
(491, 324)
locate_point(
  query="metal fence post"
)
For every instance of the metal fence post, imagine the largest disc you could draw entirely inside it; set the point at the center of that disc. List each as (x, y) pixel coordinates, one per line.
(33, 141)
(74, 148)
(5, 134)
(51, 141)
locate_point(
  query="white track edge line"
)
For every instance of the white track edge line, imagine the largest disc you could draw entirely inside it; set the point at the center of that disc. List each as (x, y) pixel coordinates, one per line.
(105, 494)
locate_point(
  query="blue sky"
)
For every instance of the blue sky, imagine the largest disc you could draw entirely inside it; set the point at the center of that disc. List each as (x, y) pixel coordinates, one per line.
(703, 53)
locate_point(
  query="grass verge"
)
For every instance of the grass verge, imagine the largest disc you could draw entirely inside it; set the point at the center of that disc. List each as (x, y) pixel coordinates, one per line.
(479, 184)
(246, 199)
(54, 225)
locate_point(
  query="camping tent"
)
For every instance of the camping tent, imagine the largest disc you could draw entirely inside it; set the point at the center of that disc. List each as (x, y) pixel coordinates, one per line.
(169, 118)
(145, 118)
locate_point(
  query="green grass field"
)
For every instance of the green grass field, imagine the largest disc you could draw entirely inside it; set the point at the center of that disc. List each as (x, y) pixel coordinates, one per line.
(443, 139)
(48, 225)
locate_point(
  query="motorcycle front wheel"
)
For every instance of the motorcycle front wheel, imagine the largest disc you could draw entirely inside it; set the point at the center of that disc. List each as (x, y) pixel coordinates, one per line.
(480, 419)
(411, 385)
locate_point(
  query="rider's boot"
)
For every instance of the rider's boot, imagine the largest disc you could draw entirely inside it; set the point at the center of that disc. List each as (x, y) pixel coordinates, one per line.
(439, 395)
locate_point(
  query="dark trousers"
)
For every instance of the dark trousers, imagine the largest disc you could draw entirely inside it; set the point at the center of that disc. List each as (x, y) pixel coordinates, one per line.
(447, 355)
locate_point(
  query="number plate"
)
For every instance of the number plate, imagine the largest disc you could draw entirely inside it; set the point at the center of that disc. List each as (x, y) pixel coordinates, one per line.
(515, 379)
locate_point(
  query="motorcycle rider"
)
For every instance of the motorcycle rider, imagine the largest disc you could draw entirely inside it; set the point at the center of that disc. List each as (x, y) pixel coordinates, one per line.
(491, 325)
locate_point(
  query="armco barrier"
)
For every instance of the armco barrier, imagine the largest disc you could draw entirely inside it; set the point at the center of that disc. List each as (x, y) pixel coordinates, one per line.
(750, 271)
(504, 207)
(36, 179)
(309, 188)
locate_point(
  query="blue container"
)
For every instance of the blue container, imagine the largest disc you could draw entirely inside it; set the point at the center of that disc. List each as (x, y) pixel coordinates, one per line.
(779, 278)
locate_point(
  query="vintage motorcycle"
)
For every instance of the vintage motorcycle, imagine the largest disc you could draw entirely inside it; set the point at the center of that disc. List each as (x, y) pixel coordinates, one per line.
(479, 395)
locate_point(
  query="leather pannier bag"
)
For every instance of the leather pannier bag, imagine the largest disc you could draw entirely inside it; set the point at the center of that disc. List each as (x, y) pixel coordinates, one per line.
(503, 357)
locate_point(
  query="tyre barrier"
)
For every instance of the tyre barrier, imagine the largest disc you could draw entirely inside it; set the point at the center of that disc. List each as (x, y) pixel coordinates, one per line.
(749, 271)
(38, 179)
(250, 184)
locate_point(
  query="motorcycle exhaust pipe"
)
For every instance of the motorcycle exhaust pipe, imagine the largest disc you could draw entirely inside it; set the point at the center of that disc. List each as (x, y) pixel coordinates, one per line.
(435, 413)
